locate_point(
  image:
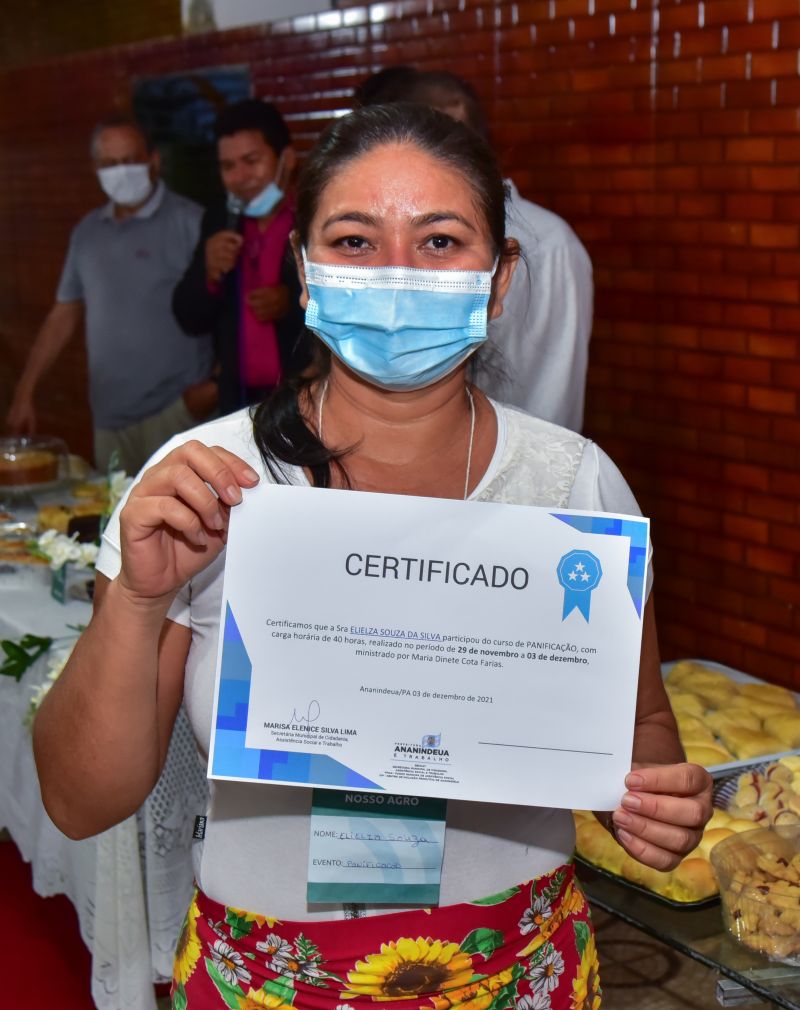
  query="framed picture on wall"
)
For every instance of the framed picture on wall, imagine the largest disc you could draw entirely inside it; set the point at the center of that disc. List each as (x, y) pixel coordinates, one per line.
(178, 112)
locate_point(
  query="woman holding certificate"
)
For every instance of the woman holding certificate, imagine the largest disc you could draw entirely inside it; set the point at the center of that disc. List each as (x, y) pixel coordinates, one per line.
(404, 258)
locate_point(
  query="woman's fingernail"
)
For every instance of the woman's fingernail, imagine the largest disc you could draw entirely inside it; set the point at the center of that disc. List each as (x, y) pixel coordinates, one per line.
(624, 837)
(634, 781)
(631, 802)
(217, 522)
(233, 494)
(201, 538)
(620, 817)
(251, 475)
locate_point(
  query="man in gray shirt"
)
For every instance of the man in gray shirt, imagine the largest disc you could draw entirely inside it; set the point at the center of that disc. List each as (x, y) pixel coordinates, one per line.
(147, 379)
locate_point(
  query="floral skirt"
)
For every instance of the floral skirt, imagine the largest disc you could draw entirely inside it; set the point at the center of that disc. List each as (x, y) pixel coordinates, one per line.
(528, 948)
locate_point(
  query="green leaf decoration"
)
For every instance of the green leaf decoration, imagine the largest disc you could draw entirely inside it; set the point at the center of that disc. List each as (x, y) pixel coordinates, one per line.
(499, 898)
(247, 953)
(582, 936)
(239, 925)
(179, 998)
(540, 954)
(22, 654)
(307, 950)
(517, 971)
(482, 941)
(232, 994)
(282, 988)
(550, 893)
(504, 998)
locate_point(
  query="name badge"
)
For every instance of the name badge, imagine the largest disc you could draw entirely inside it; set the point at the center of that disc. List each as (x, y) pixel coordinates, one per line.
(375, 848)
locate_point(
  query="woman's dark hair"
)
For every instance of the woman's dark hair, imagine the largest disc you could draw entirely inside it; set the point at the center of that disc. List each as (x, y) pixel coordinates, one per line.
(281, 434)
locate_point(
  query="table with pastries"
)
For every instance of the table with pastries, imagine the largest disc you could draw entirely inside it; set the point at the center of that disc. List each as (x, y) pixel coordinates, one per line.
(745, 872)
(130, 885)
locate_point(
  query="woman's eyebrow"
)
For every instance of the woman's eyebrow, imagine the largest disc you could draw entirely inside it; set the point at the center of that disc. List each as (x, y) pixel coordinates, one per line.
(422, 220)
(357, 216)
(437, 216)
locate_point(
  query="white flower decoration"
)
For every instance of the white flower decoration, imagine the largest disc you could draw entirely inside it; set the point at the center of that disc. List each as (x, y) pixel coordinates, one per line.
(229, 963)
(544, 976)
(534, 916)
(118, 484)
(536, 1001)
(278, 951)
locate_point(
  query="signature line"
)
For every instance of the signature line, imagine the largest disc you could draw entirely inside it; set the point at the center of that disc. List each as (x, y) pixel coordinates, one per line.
(529, 746)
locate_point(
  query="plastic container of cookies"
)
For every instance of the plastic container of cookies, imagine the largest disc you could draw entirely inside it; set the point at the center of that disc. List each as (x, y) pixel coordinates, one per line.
(32, 463)
(759, 880)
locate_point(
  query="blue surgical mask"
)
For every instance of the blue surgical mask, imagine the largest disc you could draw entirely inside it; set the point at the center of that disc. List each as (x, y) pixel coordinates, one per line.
(269, 197)
(399, 328)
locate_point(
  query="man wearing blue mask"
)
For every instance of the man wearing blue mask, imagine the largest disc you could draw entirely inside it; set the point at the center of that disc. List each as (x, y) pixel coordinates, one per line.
(147, 380)
(242, 284)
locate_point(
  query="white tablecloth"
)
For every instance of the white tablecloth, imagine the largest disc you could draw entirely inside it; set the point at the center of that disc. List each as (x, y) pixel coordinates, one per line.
(130, 885)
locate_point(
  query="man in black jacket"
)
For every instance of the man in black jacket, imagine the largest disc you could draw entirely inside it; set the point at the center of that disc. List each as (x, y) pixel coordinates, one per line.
(242, 283)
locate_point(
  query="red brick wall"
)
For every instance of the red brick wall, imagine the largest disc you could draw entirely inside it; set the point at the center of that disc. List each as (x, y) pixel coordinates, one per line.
(666, 132)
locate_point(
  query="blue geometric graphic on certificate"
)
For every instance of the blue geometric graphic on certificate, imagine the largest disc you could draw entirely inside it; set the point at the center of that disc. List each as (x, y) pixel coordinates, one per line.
(635, 530)
(233, 759)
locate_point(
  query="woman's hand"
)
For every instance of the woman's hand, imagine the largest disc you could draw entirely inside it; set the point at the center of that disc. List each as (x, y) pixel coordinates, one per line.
(663, 814)
(173, 526)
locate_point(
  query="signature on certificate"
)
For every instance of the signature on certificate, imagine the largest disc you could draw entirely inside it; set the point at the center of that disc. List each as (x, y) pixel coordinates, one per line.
(310, 716)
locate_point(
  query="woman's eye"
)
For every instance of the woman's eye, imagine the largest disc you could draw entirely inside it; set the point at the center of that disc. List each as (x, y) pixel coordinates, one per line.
(441, 242)
(353, 242)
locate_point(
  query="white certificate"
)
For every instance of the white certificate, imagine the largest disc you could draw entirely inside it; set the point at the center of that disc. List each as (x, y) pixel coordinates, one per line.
(429, 647)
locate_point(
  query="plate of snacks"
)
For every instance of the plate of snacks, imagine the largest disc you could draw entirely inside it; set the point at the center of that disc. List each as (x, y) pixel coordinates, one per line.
(727, 718)
(690, 885)
(32, 463)
(759, 878)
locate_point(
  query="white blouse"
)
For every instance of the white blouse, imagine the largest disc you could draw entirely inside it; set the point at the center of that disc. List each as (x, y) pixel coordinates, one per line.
(255, 852)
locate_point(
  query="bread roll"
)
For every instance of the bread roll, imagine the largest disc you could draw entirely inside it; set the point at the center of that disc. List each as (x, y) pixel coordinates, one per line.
(684, 702)
(715, 695)
(748, 743)
(693, 730)
(707, 755)
(711, 837)
(646, 876)
(594, 843)
(785, 727)
(737, 824)
(772, 693)
(760, 708)
(719, 819)
(680, 671)
(693, 880)
(723, 718)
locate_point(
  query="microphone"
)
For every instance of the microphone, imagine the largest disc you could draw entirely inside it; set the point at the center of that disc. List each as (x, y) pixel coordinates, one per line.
(236, 208)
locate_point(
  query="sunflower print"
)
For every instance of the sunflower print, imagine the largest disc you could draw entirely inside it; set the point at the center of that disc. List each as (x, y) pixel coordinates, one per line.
(189, 949)
(260, 999)
(478, 996)
(257, 962)
(407, 967)
(259, 920)
(586, 992)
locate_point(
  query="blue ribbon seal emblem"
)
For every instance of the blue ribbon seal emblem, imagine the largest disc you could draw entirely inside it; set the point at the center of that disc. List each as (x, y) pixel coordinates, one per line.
(579, 572)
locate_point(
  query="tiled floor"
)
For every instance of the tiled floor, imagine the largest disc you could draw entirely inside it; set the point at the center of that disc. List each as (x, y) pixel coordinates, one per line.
(639, 973)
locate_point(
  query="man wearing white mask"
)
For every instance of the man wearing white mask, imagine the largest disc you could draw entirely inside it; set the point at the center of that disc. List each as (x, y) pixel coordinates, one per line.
(242, 283)
(147, 379)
